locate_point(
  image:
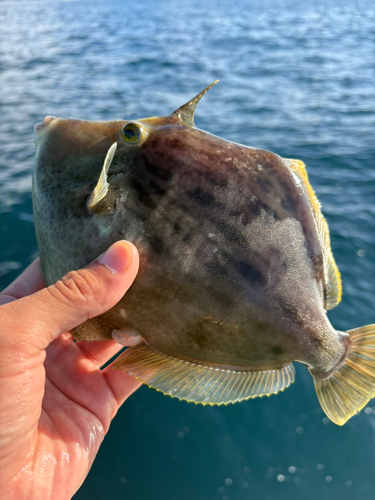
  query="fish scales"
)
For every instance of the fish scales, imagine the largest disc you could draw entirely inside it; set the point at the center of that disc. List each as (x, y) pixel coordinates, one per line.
(236, 268)
(193, 245)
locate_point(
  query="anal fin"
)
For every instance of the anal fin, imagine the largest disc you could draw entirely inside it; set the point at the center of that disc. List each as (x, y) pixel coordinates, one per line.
(198, 383)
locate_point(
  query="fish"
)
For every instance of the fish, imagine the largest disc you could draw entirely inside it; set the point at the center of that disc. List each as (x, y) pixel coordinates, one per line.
(236, 267)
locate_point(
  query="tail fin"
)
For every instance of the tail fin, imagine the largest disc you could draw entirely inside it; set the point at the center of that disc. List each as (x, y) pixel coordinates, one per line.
(350, 387)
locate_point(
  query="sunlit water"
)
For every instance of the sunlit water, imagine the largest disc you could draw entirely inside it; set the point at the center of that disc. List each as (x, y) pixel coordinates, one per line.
(295, 79)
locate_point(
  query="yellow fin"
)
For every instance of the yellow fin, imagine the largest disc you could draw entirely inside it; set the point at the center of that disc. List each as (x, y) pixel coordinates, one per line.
(198, 383)
(102, 186)
(333, 285)
(331, 271)
(350, 388)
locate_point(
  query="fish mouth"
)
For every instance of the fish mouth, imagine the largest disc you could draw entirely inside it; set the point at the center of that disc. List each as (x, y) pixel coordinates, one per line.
(41, 128)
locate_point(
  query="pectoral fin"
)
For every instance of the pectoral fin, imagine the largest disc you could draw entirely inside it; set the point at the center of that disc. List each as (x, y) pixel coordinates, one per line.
(199, 383)
(101, 189)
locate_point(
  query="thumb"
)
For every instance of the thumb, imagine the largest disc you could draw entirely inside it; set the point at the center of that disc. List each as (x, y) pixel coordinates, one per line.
(38, 319)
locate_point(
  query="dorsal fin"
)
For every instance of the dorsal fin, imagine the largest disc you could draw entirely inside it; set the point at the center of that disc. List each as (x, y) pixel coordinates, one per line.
(198, 383)
(186, 112)
(333, 287)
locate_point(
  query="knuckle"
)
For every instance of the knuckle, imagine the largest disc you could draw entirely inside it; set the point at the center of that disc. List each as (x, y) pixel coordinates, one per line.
(78, 287)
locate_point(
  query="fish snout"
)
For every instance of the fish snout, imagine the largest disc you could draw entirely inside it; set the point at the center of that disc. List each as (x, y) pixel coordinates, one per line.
(41, 128)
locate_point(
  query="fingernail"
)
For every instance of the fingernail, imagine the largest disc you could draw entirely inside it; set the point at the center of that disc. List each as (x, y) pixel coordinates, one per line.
(118, 257)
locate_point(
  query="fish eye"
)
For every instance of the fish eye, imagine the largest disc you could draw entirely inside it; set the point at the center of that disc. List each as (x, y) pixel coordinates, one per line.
(132, 132)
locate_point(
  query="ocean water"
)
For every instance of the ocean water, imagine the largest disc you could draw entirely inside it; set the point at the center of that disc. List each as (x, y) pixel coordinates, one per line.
(296, 78)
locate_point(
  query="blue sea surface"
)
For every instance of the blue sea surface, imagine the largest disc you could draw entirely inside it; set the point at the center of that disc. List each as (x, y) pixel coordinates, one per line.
(296, 78)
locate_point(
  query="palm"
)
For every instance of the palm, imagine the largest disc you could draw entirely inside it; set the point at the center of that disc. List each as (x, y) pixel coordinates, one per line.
(78, 405)
(57, 402)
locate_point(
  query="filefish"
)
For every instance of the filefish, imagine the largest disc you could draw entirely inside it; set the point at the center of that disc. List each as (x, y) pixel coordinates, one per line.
(236, 267)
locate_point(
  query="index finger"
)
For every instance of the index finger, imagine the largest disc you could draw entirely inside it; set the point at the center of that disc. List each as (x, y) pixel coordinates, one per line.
(28, 282)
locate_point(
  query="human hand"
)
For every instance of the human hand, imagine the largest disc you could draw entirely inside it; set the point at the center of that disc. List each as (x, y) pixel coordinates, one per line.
(56, 403)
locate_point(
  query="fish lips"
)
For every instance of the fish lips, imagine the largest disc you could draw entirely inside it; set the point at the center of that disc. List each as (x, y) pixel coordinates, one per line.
(41, 128)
